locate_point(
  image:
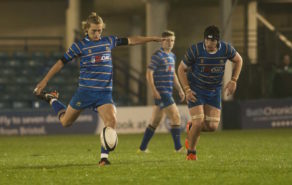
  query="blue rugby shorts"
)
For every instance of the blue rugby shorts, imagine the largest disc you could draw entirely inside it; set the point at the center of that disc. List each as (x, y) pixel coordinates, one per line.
(204, 97)
(83, 99)
(165, 101)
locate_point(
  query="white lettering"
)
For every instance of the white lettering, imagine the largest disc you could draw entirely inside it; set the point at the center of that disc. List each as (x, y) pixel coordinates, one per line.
(283, 123)
(32, 130)
(269, 111)
(85, 118)
(217, 69)
(33, 120)
(4, 120)
(105, 57)
(8, 131)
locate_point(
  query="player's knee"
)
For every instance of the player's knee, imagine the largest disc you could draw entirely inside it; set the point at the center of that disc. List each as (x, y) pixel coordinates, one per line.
(154, 124)
(111, 122)
(211, 126)
(211, 123)
(214, 127)
(65, 120)
(66, 123)
(150, 126)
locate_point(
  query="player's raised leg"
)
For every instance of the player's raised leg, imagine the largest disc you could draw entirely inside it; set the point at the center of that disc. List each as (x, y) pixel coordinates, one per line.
(107, 113)
(197, 115)
(66, 115)
(173, 114)
(149, 132)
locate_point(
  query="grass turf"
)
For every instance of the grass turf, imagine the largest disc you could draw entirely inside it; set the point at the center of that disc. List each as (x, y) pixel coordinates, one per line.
(226, 157)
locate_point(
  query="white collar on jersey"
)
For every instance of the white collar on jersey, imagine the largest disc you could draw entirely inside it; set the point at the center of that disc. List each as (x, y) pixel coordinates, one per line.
(88, 39)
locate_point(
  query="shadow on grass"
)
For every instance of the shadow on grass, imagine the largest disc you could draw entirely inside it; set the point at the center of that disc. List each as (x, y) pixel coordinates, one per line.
(114, 163)
(56, 166)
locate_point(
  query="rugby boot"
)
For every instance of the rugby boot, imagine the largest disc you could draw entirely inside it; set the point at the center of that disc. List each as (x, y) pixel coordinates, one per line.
(47, 96)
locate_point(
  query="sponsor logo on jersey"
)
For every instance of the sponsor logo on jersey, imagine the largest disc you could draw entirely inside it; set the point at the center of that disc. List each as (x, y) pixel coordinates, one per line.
(100, 58)
(78, 104)
(89, 51)
(217, 70)
(212, 69)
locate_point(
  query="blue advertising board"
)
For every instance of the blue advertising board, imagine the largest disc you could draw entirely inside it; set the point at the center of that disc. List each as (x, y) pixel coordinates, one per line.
(42, 122)
(268, 113)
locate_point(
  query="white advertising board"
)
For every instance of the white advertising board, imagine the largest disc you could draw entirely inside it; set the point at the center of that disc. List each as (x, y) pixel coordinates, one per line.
(136, 119)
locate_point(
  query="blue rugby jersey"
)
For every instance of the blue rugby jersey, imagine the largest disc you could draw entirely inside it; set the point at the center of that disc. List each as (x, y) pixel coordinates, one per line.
(207, 69)
(96, 62)
(163, 65)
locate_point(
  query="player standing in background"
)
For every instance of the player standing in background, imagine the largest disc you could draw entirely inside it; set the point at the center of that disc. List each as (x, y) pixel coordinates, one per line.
(161, 77)
(96, 75)
(203, 83)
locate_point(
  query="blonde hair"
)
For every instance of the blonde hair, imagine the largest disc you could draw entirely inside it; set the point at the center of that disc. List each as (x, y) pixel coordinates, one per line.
(93, 18)
(167, 33)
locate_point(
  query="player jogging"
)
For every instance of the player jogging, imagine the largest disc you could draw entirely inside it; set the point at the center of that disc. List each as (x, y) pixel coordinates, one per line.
(203, 83)
(96, 75)
(161, 77)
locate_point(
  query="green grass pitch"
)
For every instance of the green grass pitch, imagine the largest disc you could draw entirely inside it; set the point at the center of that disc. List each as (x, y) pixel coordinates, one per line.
(255, 157)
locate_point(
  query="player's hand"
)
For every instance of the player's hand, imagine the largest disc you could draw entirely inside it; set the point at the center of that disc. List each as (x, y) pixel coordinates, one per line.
(158, 39)
(230, 87)
(40, 86)
(182, 95)
(156, 95)
(191, 96)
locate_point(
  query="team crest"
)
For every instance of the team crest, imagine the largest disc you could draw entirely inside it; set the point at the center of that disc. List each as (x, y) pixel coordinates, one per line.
(78, 104)
(107, 48)
(202, 61)
(89, 51)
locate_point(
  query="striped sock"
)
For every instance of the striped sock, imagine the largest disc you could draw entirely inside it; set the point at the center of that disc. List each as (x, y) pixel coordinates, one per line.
(103, 153)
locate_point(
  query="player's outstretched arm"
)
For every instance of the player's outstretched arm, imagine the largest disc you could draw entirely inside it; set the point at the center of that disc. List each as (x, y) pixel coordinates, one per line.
(55, 69)
(232, 84)
(141, 40)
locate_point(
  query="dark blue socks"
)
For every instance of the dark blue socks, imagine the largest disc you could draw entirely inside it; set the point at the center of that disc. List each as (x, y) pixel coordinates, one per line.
(149, 132)
(175, 133)
(58, 107)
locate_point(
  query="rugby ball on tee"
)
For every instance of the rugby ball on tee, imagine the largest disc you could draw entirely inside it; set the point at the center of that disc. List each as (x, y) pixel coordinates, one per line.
(109, 138)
